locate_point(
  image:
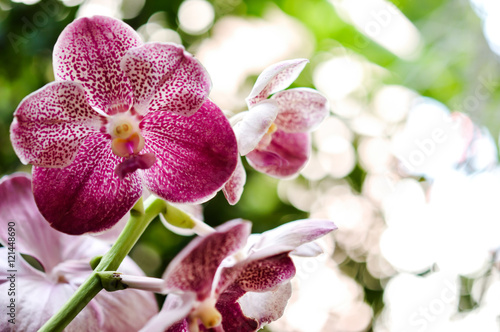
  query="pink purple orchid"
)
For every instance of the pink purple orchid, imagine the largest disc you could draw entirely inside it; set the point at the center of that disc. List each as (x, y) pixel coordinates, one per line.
(274, 134)
(228, 281)
(121, 115)
(65, 261)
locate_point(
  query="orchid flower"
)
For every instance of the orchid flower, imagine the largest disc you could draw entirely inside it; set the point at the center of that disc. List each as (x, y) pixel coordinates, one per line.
(121, 115)
(274, 134)
(65, 262)
(228, 281)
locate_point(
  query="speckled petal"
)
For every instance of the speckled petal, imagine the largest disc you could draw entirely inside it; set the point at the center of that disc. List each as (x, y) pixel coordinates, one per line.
(234, 187)
(195, 155)
(259, 275)
(165, 77)
(284, 157)
(86, 196)
(275, 78)
(89, 50)
(51, 123)
(254, 125)
(193, 269)
(266, 307)
(300, 109)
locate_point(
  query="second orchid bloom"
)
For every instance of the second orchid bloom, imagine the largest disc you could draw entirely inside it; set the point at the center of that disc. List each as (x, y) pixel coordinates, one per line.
(274, 134)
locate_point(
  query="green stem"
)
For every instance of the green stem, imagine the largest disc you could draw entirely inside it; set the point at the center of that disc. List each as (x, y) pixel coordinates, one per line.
(140, 217)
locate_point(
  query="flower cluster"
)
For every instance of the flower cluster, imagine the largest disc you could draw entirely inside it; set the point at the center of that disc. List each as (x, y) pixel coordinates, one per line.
(123, 117)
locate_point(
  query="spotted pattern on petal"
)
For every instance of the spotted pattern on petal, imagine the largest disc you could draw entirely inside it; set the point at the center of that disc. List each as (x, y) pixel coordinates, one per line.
(194, 267)
(265, 274)
(275, 78)
(86, 196)
(51, 123)
(195, 155)
(89, 50)
(300, 109)
(165, 77)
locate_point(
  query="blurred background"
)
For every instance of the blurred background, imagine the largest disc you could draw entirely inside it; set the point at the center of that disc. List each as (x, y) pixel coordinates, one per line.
(406, 164)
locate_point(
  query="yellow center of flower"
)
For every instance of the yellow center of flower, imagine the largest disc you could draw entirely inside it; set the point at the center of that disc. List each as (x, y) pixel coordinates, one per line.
(206, 312)
(126, 136)
(272, 129)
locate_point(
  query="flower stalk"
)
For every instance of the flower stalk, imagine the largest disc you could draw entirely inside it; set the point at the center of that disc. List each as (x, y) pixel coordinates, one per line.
(140, 217)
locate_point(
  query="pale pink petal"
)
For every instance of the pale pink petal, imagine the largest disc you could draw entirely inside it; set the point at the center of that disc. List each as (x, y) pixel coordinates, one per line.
(126, 310)
(86, 196)
(275, 78)
(32, 233)
(38, 298)
(284, 157)
(300, 109)
(89, 51)
(51, 123)
(172, 314)
(254, 125)
(20, 267)
(165, 77)
(234, 186)
(195, 155)
(290, 236)
(193, 269)
(266, 307)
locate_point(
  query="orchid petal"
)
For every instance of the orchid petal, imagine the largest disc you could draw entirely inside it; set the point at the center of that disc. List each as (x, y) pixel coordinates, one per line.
(127, 310)
(195, 155)
(266, 307)
(194, 268)
(275, 78)
(51, 123)
(300, 109)
(172, 314)
(254, 125)
(86, 196)
(33, 235)
(89, 51)
(233, 318)
(284, 157)
(38, 299)
(258, 275)
(22, 268)
(290, 236)
(165, 77)
(233, 189)
(307, 250)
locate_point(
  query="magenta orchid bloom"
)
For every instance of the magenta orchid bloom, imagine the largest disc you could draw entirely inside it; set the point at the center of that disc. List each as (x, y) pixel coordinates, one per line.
(65, 260)
(121, 115)
(274, 134)
(229, 282)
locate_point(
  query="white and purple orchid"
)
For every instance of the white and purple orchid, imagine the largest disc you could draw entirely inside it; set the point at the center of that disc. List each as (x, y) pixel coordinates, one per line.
(65, 260)
(121, 115)
(274, 134)
(228, 281)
